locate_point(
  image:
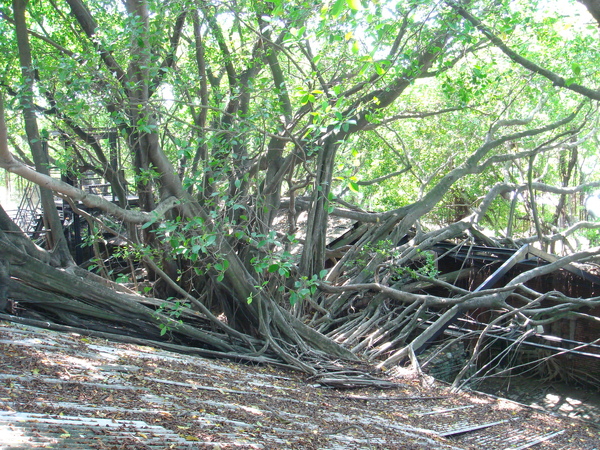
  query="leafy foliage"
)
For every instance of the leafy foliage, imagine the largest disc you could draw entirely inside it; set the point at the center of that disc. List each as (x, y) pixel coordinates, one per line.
(230, 132)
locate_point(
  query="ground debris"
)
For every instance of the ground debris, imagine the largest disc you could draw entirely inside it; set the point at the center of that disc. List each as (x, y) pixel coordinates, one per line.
(61, 390)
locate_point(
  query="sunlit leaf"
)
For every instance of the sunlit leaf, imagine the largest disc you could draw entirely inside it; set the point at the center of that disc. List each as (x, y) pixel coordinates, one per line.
(355, 4)
(337, 8)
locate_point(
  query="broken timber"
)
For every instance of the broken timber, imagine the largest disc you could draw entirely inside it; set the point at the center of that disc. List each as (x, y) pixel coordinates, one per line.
(435, 329)
(450, 318)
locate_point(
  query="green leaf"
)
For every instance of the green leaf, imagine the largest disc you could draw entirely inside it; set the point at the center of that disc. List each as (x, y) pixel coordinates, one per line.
(148, 224)
(297, 32)
(353, 185)
(576, 68)
(278, 10)
(355, 4)
(273, 268)
(364, 68)
(337, 8)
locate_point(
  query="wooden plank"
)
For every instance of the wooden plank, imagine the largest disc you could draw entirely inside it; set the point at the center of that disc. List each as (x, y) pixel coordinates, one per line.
(433, 331)
(550, 258)
(452, 315)
(450, 277)
(471, 428)
(384, 399)
(443, 411)
(517, 257)
(472, 250)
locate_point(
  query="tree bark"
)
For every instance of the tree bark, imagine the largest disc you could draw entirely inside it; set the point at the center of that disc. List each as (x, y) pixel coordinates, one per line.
(56, 238)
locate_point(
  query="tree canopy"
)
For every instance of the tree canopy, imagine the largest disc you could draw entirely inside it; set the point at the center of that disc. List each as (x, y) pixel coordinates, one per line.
(232, 132)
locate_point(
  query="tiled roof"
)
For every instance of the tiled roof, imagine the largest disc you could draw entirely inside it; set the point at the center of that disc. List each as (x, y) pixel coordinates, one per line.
(68, 391)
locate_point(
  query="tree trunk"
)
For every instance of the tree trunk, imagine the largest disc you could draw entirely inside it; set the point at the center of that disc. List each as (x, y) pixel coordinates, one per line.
(55, 239)
(313, 253)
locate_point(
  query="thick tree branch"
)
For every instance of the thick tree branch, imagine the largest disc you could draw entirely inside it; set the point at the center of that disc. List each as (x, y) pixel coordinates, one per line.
(556, 80)
(412, 115)
(593, 6)
(9, 163)
(169, 61)
(89, 25)
(46, 39)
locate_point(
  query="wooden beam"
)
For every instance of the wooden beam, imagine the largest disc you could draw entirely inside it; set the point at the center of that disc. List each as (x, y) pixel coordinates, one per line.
(490, 281)
(550, 258)
(469, 429)
(450, 316)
